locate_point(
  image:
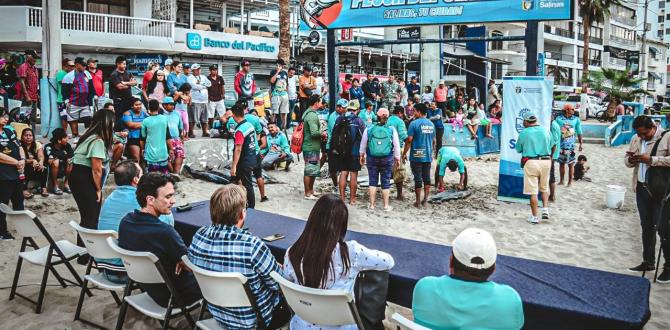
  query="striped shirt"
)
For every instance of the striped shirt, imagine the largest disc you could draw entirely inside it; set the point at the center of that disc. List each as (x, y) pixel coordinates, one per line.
(223, 248)
(79, 87)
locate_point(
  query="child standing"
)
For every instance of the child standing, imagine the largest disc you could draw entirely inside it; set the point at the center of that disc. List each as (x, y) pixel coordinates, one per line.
(155, 140)
(182, 101)
(176, 130)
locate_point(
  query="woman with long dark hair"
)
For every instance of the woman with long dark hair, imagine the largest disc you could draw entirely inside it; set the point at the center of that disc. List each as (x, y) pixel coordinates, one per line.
(321, 259)
(90, 157)
(35, 170)
(157, 87)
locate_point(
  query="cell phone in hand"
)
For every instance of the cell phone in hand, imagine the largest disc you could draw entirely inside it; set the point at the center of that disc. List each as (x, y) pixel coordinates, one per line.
(273, 238)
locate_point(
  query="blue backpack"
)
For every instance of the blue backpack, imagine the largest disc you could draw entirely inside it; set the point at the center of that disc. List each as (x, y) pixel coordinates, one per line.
(380, 141)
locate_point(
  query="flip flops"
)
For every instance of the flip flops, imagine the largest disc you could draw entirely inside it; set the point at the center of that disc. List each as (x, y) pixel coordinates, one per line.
(58, 192)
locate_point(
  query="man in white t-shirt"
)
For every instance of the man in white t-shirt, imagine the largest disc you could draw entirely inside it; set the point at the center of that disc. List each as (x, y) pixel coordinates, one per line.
(199, 100)
(292, 94)
(319, 82)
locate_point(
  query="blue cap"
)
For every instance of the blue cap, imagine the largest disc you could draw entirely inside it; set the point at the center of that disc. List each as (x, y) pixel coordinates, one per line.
(529, 116)
(342, 103)
(186, 66)
(168, 100)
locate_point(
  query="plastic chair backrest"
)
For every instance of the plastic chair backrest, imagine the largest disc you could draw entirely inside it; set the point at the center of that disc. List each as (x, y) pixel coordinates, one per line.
(322, 307)
(140, 266)
(219, 288)
(404, 323)
(96, 241)
(23, 221)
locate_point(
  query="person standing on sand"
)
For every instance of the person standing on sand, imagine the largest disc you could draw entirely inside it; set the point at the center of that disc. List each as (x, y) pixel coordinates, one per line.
(421, 141)
(639, 158)
(534, 145)
(571, 128)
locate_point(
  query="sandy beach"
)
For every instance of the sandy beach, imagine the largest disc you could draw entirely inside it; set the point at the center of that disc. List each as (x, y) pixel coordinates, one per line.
(582, 232)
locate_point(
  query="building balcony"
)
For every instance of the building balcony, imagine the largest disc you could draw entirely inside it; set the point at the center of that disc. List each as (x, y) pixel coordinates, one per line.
(624, 20)
(592, 40)
(559, 32)
(622, 41)
(559, 56)
(617, 62)
(592, 62)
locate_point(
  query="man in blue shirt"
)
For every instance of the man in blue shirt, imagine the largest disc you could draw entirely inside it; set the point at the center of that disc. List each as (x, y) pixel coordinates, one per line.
(413, 88)
(534, 145)
(571, 131)
(143, 231)
(420, 140)
(450, 157)
(245, 153)
(277, 148)
(466, 299)
(225, 246)
(119, 203)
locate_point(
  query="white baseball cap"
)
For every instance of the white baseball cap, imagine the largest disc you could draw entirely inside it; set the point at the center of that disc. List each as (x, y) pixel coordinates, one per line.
(195, 66)
(475, 248)
(168, 61)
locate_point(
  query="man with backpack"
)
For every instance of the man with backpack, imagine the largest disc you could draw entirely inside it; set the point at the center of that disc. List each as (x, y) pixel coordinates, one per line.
(245, 157)
(340, 110)
(345, 145)
(306, 139)
(381, 144)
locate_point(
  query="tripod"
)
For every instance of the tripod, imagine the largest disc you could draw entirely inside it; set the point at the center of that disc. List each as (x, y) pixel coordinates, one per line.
(663, 223)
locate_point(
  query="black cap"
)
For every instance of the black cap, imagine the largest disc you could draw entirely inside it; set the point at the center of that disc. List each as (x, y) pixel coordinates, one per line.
(307, 68)
(281, 62)
(186, 65)
(245, 63)
(213, 67)
(31, 52)
(80, 60)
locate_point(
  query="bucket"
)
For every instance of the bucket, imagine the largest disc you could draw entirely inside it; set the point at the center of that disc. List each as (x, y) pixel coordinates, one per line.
(614, 197)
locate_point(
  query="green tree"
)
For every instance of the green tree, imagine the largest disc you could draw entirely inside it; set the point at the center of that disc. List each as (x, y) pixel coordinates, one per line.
(619, 85)
(592, 11)
(560, 74)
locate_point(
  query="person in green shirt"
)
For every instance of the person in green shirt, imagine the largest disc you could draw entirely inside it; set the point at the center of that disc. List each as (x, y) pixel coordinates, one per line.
(68, 65)
(556, 150)
(450, 157)
(155, 140)
(86, 178)
(466, 299)
(368, 115)
(534, 145)
(311, 144)
(399, 172)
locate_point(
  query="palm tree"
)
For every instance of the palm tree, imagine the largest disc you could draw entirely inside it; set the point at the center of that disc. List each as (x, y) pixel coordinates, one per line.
(592, 11)
(284, 30)
(620, 86)
(560, 74)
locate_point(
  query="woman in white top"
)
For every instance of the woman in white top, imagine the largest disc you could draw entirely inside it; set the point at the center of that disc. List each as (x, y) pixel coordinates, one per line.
(326, 260)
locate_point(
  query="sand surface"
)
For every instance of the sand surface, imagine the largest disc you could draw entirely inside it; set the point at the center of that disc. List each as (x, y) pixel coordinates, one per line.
(582, 232)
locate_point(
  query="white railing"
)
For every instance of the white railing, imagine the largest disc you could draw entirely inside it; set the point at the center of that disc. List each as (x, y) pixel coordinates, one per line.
(617, 61)
(91, 22)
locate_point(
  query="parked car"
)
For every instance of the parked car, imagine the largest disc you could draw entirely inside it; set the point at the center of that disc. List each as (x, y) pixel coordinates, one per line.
(586, 106)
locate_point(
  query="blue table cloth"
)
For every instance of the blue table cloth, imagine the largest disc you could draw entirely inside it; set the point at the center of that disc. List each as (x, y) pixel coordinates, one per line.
(554, 296)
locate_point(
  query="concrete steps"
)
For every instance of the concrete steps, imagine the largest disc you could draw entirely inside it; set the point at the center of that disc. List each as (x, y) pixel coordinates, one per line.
(592, 140)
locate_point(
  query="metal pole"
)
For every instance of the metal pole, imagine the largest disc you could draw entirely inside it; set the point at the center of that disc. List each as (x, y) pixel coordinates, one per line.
(531, 48)
(643, 53)
(333, 76)
(190, 15)
(51, 63)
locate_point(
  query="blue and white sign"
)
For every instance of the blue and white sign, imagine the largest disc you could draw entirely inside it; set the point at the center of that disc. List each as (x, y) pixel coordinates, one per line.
(226, 44)
(520, 95)
(339, 14)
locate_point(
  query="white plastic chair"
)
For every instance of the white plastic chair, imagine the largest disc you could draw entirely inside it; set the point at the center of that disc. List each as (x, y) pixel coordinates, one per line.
(97, 247)
(223, 290)
(145, 268)
(29, 227)
(406, 324)
(322, 307)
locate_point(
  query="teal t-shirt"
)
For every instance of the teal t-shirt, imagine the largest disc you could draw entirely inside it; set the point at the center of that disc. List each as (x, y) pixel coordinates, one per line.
(59, 85)
(422, 132)
(175, 126)
(445, 155)
(556, 138)
(155, 134)
(369, 118)
(253, 120)
(534, 141)
(332, 117)
(399, 125)
(445, 303)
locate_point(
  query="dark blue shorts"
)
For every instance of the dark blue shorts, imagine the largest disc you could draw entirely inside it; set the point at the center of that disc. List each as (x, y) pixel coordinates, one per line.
(421, 173)
(380, 167)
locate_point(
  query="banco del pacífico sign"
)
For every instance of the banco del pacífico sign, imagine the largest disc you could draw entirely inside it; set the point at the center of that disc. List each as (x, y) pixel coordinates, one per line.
(195, 41)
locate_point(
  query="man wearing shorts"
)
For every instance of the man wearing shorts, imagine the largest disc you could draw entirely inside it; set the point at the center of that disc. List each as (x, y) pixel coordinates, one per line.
(68, 65)
(216, 93)
(311, 144)
(176, 131)
(421, 141)
(571, 131)
(198, 111)
(555, 152)
(279, 92)
(155, 140)
(534, 145)
(78, 92)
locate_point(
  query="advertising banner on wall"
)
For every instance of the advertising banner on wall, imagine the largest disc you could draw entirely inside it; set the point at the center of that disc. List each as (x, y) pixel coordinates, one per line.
(338, 14)
(225, 44)
(520, 95)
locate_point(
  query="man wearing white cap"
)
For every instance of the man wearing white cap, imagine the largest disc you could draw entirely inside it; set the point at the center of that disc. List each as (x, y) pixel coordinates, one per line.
(466, 299)
(199, 99)
(534, 145)
(168, 67)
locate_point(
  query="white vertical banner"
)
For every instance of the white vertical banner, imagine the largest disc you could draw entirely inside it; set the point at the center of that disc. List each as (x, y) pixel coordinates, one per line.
(520, 95)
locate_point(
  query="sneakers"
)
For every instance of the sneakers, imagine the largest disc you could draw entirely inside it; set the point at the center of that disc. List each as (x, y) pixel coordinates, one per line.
(664, 278)
(264, 199)
(6, 237)
(545, 213)
(533, 220)
(643, 267)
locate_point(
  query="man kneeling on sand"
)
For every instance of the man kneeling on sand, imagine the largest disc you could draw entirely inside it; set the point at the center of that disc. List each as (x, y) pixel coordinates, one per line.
(466, 299)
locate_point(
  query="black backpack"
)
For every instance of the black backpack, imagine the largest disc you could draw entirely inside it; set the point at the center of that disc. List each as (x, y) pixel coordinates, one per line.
(342, 141)
(658, 177)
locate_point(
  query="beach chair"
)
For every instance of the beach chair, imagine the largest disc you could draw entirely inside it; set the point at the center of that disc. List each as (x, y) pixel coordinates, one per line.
(145, 268)
(406, 324)
(223, 290)
(54, 253)
(322, 307)
(97, 247)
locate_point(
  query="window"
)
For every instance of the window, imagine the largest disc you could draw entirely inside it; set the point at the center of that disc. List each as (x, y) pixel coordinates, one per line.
(111, 7)
(661, 5)
(659, 33)
(496, 70)
(667, 31)
(661, 19)
(498, 44)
